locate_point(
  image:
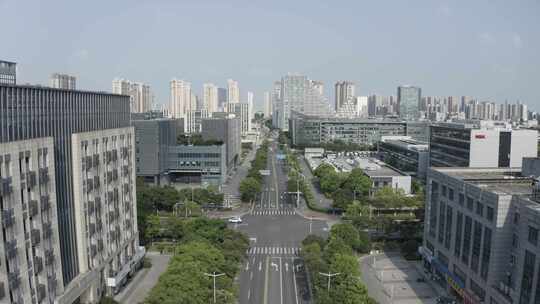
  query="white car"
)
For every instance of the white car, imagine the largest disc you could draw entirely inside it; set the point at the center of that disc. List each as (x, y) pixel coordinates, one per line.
(235, 220)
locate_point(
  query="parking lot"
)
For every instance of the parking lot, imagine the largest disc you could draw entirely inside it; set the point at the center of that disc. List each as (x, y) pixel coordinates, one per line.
(391, 279)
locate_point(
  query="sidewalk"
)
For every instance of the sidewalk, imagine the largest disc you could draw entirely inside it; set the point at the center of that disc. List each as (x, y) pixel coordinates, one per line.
(320, 199)
(139, 286)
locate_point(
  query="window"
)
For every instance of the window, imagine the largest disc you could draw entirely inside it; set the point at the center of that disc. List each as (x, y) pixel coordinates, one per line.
(516, 218)
(470, 203)
(533, 235)
(466, 240)
(515, 240)
(442, 211)
(459, 229)
(489, 215)
(479, 209)
(486, 254)
(481, 293)
(461, 199)
(444, 191)
(528, 276)
(477, 239)
(448, 234)
(451, 194)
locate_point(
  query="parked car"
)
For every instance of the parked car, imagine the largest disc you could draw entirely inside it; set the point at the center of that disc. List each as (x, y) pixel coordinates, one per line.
(235, 220)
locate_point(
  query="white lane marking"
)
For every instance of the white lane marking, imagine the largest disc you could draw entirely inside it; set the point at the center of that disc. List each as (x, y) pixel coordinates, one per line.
(247, 266)
(260, 265)
(280, 281)
(294, 281)
(249, 293)
(274, 265)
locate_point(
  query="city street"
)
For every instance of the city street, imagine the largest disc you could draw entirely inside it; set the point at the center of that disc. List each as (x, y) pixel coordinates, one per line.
(273, 272)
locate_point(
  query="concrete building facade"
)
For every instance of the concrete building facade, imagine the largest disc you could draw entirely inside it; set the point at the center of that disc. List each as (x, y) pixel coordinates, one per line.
(408, 99)
(227, 130)
(30, 271)
(29, 112)
(481, 233)
(8, 72)
(344, 93)
(242, 110)
(233, 91)
(406, 154)
(139, 93)
(105, 212)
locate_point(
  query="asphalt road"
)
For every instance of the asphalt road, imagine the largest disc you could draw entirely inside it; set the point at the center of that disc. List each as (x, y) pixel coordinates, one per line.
(273, 272)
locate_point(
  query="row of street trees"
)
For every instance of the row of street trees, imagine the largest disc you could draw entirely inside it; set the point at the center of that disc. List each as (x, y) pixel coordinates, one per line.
(154, 200)
(334, 259)
(251, 186)
(202, 246)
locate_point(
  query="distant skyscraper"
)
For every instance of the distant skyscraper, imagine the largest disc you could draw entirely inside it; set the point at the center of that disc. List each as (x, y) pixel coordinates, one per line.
(140, 94)
(210, 97)
(8, 72)
(267, 110)
(408, 101)
(233, 91)
(63, 81)
(222, 98)
(180, 100)
(344, 93)
(242, 110)
(362, 106)
(318, 86)
(250, 97)
(298, 94)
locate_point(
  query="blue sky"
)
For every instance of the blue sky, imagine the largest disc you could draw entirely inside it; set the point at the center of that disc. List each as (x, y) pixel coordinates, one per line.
(486, 49)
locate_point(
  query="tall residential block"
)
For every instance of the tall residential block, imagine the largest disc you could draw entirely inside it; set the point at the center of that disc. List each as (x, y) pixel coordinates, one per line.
(210, 97)
(298, 94)
(408, 99)
(8, 72)
(344, 93)
(63, 81)
(222, 98)
(139, 93)
(58, 180)
(481, 233)
(181, 100)
(233, 91)
(267, 108)
(243, 111)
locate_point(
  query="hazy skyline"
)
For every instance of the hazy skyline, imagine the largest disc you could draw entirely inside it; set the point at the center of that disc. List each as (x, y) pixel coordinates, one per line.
(484, 49)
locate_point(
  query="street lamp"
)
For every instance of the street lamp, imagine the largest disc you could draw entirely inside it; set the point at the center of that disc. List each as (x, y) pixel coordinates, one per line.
(298, 186)
(329, 276)
(214, 276)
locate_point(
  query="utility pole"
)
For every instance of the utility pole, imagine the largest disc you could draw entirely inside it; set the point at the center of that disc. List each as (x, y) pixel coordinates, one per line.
(329, 276)
(310, 222)
(214, 276)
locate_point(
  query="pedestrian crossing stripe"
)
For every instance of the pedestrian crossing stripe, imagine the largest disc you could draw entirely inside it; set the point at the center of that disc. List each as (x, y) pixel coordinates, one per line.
(273, 212)
(274, 251)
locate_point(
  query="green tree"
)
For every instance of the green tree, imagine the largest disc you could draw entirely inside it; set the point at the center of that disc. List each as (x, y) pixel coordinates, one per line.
(387, 197)
(358, 182)
(153, 227)
(347, 233)
(323, 169)
(249, 188)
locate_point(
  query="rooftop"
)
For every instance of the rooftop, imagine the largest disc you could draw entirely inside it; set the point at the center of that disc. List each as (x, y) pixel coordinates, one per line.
(375, 168)
(504, 181)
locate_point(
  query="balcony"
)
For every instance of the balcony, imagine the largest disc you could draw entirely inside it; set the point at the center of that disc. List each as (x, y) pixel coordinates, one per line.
(108, 157)
(35, 238)
(96, 182)
(115, 174)
(33, 208)
(11, 249)
(38, 265)
(41, 292)
(126, 188)
(8, 217)
(5, 186)
(52, 282)
(30, 179)
(92, 229)
(125, 170)
(43, 175)
(95, 160)
(47, 231)
(89, 185)
(49, 257)
(109, 177)
(100, 245)
(114, 154)
(88, 162)
(93, 251)
(14, 280)
(124, 151)
(45, 203)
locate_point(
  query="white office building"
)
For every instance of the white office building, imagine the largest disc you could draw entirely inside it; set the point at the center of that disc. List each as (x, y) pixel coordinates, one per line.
(182, 101)
(267, 110)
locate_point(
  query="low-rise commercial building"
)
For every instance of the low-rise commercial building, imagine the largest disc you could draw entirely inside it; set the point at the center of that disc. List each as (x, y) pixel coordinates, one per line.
(383, 175)
(473, 145)
(309, 131)
(227, 130)
(161, 160)
(481, 233)
(406, 154)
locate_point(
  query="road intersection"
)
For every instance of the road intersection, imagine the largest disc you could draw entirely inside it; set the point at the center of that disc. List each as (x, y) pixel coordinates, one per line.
(273, 272)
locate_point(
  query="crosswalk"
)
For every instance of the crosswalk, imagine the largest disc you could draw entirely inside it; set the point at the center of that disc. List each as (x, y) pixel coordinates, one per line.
(274, 251)
(270, 212)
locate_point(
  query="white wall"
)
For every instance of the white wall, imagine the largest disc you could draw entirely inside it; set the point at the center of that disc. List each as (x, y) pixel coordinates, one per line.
(484, 151)
(524, 144)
